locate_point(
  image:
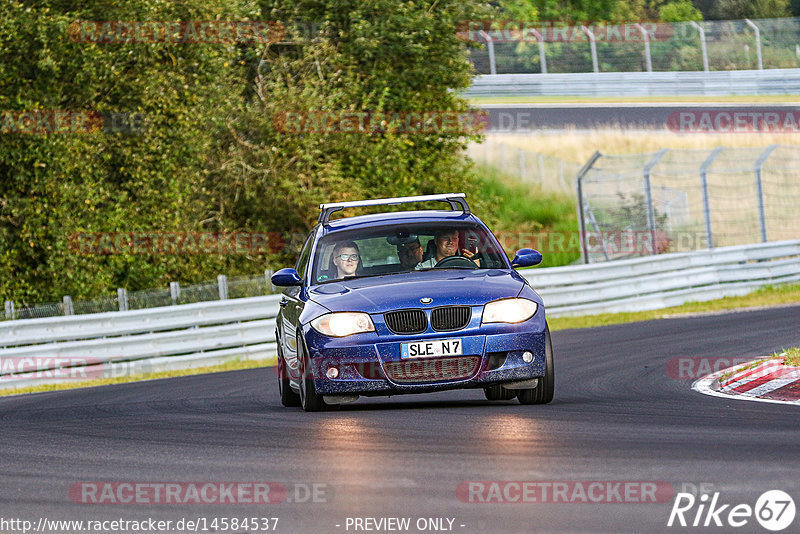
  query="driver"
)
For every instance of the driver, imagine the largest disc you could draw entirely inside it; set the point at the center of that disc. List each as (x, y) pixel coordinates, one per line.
(446, 240)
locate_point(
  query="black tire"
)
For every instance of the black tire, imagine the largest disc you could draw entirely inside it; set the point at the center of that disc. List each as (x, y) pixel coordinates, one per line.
(288, 397)
(497, 393)
(309, 400)
(543, 392)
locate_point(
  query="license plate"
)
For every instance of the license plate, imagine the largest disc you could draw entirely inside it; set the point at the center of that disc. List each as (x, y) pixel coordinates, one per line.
(430, 349)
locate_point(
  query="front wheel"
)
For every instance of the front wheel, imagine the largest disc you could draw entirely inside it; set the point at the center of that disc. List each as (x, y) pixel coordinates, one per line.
(288, 396)
(543, 392)
(309, 400)
(496, 393)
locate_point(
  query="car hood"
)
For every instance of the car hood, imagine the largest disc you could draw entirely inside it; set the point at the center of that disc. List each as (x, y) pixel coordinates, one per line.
(378, 294)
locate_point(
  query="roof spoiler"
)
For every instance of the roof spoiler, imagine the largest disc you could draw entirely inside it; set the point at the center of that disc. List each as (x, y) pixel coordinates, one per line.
(457, 201)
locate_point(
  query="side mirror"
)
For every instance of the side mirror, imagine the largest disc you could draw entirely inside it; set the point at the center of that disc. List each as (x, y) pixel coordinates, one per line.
(526, 257)
(286, 278)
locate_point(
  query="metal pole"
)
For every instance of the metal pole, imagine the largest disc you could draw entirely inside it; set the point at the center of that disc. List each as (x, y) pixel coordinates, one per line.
(759, 190)
(122, 298)
(758, 42)
(222, 285)
(490, 46)
(542, 58)
(581, 222)
(646, 37)
(703, 179)
(593, 47)
(651, 219)
(67, 305)
(702, 43)
(174, 291)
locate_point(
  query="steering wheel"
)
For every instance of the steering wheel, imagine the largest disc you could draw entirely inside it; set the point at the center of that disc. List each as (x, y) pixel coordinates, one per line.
(456, 261)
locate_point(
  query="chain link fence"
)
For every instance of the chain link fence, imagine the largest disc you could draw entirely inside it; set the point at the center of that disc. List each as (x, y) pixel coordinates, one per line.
(548, 172)
(510, 47)
(682, 200)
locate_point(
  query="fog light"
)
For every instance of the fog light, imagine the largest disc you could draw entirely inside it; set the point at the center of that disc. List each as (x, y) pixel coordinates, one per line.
(332, 372)
(527, 357)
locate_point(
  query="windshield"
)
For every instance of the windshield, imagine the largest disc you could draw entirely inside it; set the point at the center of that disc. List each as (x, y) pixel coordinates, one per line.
(406, 248)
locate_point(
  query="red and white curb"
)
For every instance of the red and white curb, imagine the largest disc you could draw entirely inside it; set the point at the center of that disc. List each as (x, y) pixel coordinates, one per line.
(769, 381)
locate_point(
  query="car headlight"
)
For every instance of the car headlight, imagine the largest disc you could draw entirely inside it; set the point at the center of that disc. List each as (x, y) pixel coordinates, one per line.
(342, 324)
(509, 311)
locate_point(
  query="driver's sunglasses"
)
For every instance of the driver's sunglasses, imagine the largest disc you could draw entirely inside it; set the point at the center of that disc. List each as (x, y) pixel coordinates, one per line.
(348, 257)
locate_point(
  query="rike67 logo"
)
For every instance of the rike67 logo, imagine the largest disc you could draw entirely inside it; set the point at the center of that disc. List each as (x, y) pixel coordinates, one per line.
(774, 510)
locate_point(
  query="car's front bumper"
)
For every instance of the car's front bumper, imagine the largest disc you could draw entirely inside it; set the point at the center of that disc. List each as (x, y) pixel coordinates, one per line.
(369, 365)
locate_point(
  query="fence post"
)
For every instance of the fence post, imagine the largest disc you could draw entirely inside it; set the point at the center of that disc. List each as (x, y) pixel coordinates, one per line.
(758, 42)
(10, 309)
(490, 46)
(593, 47)
(760, 191)
(646, 37)
(702, 43)
(542, 58)
(581, 221)
(704, 181)
(122, 298)
(541, 169)
(174, 292)
(521, 164)
(222, 284)
(268, 275)
(651, 219)
(67, 305)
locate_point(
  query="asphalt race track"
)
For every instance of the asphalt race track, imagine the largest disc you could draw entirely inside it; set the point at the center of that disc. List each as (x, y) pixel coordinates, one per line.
(617, 416)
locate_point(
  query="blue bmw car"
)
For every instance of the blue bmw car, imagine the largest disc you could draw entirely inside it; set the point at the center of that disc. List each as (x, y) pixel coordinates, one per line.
(409, 302)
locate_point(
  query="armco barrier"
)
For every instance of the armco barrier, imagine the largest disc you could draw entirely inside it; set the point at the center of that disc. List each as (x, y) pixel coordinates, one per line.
(213, 332)
(629, 84)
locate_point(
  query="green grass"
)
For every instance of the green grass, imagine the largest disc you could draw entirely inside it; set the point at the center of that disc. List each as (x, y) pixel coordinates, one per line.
(790, 356)
(233, 365)
(766, 296)
(523, 214)
(732, 99)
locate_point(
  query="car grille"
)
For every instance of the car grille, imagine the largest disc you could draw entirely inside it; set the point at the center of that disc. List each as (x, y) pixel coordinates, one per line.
(450, 318)
(432, 369)
(406, 321)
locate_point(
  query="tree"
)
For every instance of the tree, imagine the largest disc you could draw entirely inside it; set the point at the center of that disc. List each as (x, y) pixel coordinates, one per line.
(680, 11)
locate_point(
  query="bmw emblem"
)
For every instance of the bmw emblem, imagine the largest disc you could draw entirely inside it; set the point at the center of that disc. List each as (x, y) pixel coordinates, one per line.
(426, 300)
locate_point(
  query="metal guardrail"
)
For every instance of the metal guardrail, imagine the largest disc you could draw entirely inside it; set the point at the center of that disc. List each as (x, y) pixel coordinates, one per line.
(213, 332)
(631, 84)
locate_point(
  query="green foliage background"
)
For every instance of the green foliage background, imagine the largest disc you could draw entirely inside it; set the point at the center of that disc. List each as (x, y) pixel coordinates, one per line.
(210, 158)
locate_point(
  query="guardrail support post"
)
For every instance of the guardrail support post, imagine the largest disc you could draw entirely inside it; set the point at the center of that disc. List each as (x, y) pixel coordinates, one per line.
(122, 298)
(581, 221)
(174, 292)
(268, 275)
(67, 305)
(646, 37)
(490, 46)
(760, 191)
(704, 181)
(10, 309)
(651, 219)
(593, 47)
(542, 58)
(758, 42)
(702, 43)
(222, 283)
